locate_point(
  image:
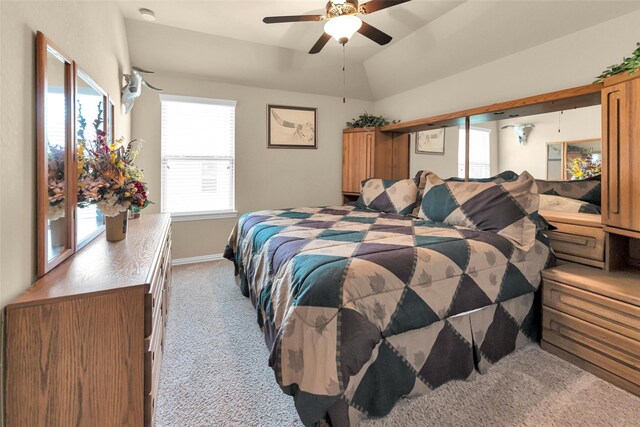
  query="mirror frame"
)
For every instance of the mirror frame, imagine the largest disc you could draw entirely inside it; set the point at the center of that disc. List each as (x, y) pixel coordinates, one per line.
(106, 122)
(43, 44)
(72, 73)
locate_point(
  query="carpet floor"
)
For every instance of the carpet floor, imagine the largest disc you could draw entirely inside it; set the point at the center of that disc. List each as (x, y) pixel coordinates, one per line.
(215, 373)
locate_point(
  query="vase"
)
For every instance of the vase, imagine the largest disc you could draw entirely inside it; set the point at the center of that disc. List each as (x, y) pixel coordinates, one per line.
(117, 226)
(58, 229)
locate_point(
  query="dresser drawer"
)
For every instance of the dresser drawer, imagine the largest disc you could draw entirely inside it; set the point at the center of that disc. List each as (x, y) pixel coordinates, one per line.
(151, 398)
(155, 295)
(153, 348)
(609, 313)
(608, 350)
(578, 243)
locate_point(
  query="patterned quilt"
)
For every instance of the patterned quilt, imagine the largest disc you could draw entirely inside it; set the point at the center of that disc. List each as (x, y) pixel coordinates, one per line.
(330, 283)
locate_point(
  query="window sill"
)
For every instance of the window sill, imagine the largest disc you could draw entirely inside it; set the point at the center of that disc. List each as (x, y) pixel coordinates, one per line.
(200, 216)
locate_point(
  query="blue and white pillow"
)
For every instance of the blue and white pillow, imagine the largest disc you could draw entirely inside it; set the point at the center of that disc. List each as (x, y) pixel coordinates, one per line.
(389, 195)
(503, 208)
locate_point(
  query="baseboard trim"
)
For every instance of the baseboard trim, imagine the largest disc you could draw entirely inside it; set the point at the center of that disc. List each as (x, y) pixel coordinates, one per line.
(196, 259)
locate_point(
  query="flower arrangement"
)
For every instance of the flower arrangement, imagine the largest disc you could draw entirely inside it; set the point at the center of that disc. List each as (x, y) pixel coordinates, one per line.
(584, 166)
(55, 167)
(108, 176)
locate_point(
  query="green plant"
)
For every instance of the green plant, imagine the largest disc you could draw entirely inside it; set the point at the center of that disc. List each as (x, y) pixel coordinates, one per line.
(367, 120)
(630, 64)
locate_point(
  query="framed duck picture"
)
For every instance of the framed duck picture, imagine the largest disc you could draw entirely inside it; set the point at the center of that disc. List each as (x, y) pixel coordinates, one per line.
(291, 127)
(430, 142)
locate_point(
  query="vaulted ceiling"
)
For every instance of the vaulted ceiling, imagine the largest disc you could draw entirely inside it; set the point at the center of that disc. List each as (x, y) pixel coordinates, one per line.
(227, 40)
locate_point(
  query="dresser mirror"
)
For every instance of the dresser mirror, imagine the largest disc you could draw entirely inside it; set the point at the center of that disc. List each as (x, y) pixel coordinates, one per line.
(91, 118)
(55, 168)
(71, 110)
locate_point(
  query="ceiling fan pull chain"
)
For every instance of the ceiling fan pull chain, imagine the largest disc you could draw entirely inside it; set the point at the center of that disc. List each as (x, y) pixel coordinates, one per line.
(344, 76)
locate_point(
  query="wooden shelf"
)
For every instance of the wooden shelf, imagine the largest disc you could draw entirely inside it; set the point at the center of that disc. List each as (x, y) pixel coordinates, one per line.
(578, 97)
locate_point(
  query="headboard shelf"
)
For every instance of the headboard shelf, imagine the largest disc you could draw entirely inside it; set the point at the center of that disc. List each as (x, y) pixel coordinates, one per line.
(567, 99)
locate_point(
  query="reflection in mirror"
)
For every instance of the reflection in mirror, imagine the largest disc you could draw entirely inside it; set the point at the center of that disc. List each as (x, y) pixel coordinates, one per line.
(444, 162)
(583, 159)
(110, 127)
(563, 152)
(553, 145)
(90, 119)
(554, 161)
(55, 147)
(483, 150)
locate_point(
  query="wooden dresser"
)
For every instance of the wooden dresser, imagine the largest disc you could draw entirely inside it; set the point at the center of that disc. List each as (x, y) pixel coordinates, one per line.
(370, 153)
(84, 343)
(592, 319)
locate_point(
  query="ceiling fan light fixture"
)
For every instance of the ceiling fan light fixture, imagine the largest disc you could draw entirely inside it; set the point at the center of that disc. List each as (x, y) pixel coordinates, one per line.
(342, 28)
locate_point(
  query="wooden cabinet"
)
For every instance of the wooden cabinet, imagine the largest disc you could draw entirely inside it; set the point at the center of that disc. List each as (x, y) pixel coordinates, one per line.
(84, 343)
(621, 152)
(370, 153)
(591, 318)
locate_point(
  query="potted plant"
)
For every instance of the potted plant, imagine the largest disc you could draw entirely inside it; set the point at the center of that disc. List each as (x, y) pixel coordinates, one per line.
(630, 64)
(367, 120)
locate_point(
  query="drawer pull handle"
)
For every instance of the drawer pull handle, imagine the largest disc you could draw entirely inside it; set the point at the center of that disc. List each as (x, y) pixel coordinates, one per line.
(569, 238)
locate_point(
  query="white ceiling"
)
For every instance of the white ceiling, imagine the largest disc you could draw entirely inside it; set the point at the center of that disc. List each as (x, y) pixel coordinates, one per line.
(432, 39)
(242, 20)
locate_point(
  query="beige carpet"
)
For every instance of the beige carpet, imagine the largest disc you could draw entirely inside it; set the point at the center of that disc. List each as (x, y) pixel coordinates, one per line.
(215, 373)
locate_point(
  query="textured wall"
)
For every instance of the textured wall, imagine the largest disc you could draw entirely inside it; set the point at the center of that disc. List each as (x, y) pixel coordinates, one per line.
(265, 178)
(93, 34)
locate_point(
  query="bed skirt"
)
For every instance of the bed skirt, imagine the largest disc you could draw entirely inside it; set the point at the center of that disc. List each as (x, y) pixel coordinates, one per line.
(415, 362)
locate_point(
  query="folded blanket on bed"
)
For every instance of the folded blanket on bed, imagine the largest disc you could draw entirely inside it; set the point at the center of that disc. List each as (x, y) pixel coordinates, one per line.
(330, 283)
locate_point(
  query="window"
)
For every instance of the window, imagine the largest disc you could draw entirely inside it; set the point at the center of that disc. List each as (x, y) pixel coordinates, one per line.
(479, 153)
(198, 154)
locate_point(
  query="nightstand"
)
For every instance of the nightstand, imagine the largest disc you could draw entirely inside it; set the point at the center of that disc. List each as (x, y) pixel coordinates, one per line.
(591, 318)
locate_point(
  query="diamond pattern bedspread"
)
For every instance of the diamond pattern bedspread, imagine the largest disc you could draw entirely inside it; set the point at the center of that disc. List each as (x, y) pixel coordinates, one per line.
(330, 283)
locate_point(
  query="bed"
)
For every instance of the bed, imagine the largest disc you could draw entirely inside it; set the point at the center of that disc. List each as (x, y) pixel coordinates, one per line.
(360, 308)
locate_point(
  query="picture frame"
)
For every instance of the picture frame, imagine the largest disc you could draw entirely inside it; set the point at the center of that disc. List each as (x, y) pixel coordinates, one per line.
(292, 127)
(430, 142)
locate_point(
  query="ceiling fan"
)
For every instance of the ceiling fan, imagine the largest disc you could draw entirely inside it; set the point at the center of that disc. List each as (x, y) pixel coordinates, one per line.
(342, 21)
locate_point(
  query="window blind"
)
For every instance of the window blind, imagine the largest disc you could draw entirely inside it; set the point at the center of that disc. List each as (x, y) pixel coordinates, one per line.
(198, 155)
(479, 153)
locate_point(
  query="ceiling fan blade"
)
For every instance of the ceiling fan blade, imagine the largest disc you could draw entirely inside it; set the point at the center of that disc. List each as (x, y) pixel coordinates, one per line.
(376, 5)
(322, 41)
(374, 34)
(293, 18)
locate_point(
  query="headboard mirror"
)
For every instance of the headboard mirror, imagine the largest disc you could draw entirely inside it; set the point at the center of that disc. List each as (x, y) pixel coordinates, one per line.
(556, 137)
(555, 143)
(91, 117)
(54, 130)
